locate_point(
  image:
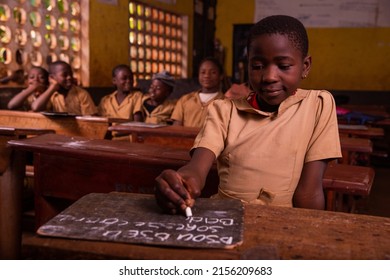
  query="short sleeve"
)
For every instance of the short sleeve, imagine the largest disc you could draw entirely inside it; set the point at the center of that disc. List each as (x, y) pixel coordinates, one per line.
(214, 131)
(325, 140)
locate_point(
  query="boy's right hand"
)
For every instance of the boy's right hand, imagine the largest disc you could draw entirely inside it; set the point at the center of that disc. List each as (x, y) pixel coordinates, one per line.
(175, 191)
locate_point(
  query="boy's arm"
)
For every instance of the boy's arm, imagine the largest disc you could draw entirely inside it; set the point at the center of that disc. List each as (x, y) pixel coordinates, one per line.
(18, 100)
(175, 190)
(41, 102)
(309, 192)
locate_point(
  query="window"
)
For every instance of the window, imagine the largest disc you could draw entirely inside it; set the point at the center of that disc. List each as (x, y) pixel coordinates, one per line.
(37, 32)
(157, 41)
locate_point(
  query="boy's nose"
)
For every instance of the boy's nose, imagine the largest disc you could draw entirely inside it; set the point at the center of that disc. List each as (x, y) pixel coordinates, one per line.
(270, 74)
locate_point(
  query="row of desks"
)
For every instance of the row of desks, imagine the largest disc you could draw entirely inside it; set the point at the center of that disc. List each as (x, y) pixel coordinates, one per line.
(56, 156)
(86, 165)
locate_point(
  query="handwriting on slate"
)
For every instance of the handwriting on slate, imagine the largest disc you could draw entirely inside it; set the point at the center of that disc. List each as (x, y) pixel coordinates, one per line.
(209, 230)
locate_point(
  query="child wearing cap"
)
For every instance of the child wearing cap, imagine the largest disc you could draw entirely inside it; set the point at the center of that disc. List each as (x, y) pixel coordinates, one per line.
(124, 102)
(156, 107)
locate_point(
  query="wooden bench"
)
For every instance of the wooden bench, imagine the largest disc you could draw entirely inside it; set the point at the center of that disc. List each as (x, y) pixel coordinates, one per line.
(269, 233)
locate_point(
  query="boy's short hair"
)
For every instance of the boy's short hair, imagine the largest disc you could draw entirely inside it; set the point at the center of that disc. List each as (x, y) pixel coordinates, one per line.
(53, 66)
(119, 67)
(283, 25)
(215, 61)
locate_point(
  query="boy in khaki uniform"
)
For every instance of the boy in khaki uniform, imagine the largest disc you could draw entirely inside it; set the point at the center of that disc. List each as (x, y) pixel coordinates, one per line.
(38, 81)
(156, 108)
(62, 95)
(191, 108)
(124, 102)
(273, 147)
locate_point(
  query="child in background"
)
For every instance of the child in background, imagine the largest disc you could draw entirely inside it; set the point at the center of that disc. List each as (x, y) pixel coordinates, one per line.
(62, 94)
(272, 148)
(38, 81)
(155, 105)
(191, 108)
(124, 102)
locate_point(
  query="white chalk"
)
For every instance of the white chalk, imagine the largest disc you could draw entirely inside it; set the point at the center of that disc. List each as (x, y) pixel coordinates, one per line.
(188, 212)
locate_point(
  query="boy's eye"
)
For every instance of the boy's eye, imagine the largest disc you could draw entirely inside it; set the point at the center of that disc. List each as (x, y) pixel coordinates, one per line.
(285, 66)
(257, 66)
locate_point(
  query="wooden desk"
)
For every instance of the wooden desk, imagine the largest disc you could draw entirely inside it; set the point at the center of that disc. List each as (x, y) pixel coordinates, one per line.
(269, 232)
(183, 137)
(350, 146)
(11, 164)
(361, 131)
(92, 165)
(90, 127)
(172, 136)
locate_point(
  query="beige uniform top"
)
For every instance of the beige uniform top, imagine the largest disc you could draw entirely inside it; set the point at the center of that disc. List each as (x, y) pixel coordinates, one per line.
(260, 155)
(190, 110)
(109, 107)
(77, 101)
(160, 114)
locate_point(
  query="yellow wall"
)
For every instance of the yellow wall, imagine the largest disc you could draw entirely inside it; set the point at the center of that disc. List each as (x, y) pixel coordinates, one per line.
(108, 36)
(343, 58)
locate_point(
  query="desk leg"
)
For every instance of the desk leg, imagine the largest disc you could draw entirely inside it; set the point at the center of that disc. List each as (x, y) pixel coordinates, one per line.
(11, 184)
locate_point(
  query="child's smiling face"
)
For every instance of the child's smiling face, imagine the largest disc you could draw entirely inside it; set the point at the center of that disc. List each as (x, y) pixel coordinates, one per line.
(276, 67)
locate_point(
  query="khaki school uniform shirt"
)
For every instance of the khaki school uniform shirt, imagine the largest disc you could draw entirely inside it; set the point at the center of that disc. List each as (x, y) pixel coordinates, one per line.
(109, 107)
(190, 110)
(260, 155)
(160, 114)
(77, 101)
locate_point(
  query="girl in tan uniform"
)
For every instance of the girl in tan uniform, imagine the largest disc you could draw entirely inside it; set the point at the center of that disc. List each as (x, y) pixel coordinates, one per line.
(191, 108)
(273, 147)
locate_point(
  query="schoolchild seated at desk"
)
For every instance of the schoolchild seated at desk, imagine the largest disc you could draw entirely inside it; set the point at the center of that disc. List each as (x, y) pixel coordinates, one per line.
(125, 101)
(62, 94)
(156, 108)
(272, 148)
(38, 82)
(191, 108)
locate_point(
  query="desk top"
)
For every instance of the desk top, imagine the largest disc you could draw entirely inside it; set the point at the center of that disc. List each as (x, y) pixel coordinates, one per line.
(12, 131)
(55, 144)
(269, 232)
(361, 130)
(168, 131)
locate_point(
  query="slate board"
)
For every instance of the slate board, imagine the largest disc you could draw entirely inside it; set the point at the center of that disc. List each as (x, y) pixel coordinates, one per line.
(133, 218)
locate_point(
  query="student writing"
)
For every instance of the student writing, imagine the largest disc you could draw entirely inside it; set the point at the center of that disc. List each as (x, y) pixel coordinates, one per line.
(273, 147)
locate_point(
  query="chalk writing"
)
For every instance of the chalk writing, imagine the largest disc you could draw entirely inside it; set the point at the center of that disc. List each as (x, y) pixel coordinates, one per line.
(107, 217)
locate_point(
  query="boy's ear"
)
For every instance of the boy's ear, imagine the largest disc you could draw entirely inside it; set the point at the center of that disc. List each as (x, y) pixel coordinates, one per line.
(306, 66)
